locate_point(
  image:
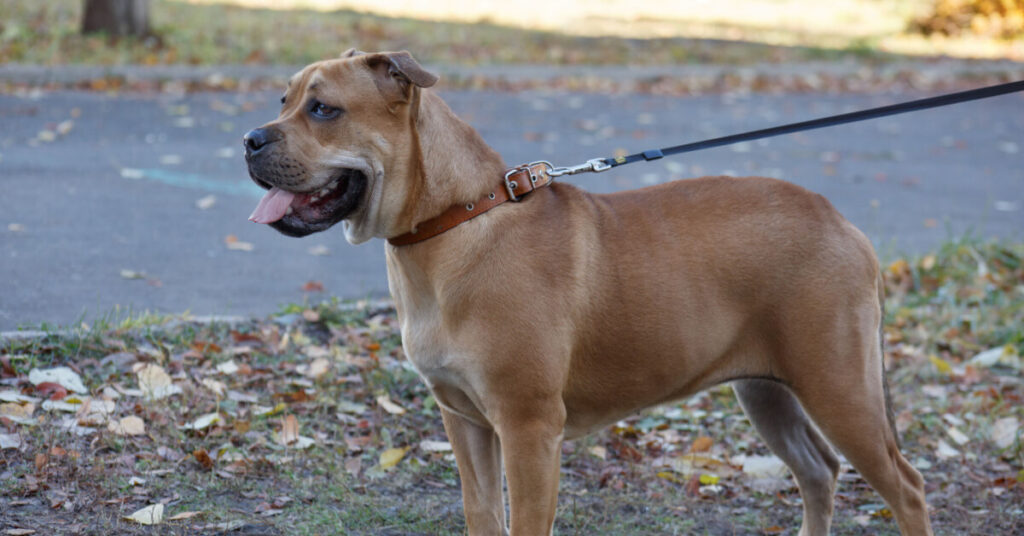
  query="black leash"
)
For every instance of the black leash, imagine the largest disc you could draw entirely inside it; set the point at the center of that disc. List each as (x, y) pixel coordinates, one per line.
(604, 164)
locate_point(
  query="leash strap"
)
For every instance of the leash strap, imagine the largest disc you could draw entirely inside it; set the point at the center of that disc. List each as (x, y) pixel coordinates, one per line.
(604, 164)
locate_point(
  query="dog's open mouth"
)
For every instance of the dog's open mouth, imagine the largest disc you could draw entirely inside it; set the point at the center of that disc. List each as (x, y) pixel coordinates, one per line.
(300, 214)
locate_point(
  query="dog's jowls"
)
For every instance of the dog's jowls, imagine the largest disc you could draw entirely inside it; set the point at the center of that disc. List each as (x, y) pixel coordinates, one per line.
(550, 318)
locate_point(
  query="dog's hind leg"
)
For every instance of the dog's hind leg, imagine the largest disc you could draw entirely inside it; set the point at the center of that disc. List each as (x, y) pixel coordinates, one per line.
(778, 417)
(850, 411)
(841, 387)
(479, 459)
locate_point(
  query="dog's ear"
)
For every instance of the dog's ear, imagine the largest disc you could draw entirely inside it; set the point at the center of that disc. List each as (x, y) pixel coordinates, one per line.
(351, 52)
(396, 73)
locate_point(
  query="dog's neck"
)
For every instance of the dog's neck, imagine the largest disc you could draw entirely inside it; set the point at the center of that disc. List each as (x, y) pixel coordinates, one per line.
(457, 166)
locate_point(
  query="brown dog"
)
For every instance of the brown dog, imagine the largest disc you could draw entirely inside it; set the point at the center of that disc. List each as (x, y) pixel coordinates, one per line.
(554, 316)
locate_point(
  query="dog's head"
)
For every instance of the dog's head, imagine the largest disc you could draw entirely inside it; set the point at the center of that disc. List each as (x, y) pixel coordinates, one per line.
(344, 139)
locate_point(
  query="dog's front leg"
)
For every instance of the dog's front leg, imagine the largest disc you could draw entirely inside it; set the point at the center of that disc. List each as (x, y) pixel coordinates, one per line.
(478, 455)
(531, 449)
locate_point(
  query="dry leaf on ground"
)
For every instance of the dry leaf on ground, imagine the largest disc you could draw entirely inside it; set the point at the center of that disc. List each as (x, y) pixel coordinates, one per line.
(64, 376)
(10, 441)
(218, 388)
(155, 383)
(130, 425)
(202, 422)
(390, 457)
(18, 412)
(435, 446)
(390, 406)
(184, 515)
(150, 515)
(1004, 432)
(289, 430)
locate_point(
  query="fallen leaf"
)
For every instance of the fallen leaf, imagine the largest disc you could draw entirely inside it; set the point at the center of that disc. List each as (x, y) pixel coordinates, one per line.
(64, 127)
(10, 441)
(944, 451)
(203, 457)
(318, 368)
(353, 466)
(390, 457)
(313, 286)
(19, 532)
(150, 515)
(202, 422)
(18, 412)
(155, 383)
(289, 430)
(384, 402)
(129, 173)
(228, 367)
(701, 444)
(1005, 355)
(310, 315)
(132, 274)
(128, 426)
(354, 408)
(218, 388)
(206, 203)
(762, 466)
(435, 446)
(184, 515)
(63, 376)
(51, 390)
(941, 364)
(957, 435)
(232, 242)
(14, 396)
(708, 480)
(1004, 432)
(598, 451)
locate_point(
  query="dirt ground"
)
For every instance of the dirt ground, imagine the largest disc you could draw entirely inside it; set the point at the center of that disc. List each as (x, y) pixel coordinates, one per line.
(312, 422)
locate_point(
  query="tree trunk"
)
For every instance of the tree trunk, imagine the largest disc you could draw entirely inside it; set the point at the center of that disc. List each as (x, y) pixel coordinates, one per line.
(116, 17)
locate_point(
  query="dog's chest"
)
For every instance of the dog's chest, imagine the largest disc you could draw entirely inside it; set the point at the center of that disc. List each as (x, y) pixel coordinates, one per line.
(446, 370)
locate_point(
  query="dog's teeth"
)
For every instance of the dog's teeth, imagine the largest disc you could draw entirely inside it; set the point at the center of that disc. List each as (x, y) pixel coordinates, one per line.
(325, 191)
(289, 210)
(315, 198)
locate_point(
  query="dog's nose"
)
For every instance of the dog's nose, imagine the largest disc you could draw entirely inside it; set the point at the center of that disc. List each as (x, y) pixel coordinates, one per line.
(258, 138)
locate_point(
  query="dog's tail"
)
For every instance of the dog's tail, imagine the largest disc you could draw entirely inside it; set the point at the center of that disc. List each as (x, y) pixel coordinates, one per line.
(881, 352)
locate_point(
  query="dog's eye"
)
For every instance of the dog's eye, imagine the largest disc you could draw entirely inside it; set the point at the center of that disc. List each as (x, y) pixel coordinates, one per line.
(323, 111)
(282, 99)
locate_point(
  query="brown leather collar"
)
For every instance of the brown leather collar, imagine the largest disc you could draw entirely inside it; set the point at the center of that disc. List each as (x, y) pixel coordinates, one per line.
(517, 182)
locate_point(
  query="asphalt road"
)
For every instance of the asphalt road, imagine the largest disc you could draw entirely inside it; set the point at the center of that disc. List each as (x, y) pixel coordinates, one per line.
(99, 193)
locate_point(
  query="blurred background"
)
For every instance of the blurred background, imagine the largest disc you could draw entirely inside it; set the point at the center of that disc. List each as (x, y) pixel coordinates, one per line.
(124, 188)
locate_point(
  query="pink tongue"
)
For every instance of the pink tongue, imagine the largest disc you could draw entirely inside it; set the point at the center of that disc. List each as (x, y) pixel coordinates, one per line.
(273, 206)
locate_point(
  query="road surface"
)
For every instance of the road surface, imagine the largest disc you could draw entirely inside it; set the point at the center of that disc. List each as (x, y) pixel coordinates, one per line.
(117, 203)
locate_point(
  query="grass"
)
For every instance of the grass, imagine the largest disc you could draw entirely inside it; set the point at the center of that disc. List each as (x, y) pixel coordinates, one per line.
(942, 310)
(214, 33)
